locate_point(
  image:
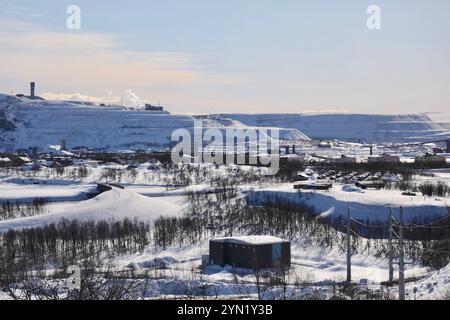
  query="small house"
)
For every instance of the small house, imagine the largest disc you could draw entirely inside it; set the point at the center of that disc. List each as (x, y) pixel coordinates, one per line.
(5, 162)
(301, 176)
(313, 186)
(370, 184)
(252, 252)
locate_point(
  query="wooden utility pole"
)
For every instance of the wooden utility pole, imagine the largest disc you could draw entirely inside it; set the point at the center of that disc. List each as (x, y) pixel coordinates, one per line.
(391, 253)
(349, 250)
(401, 269)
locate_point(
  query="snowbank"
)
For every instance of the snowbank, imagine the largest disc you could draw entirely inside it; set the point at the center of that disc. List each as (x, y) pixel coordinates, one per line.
(116, 204)
(372, 205)
(26, 193)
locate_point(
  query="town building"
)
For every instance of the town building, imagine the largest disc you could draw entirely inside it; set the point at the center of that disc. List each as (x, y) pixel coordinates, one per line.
(5, 162)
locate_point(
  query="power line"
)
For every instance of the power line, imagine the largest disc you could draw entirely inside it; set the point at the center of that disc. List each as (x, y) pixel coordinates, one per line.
(368, 225)
(438, 250)
(355, 234)
(395, 233)
(390, 248)
(401, 269)
(426, 227)
(363, 210)
(438, 220)
(349, 253)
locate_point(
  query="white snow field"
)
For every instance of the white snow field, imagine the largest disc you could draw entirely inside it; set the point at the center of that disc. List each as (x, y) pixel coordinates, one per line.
(40, 124)
(114, 205)
(309, 263)
(368, 205)
(353, 127)
(435, 286)
(26, 193)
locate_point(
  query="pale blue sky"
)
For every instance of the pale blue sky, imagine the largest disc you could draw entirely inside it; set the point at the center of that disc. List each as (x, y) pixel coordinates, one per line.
(255, 56)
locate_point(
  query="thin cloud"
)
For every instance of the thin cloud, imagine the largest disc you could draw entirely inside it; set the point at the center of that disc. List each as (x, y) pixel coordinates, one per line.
(14, 10)
(80, 97)
(93, 62)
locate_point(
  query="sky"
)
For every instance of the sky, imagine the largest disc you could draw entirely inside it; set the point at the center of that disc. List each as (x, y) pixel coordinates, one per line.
(234, 56)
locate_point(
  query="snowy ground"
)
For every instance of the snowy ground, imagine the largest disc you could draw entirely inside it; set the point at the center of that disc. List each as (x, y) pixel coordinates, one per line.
(311, 263)
(24, 193)
(114, 205)
(146, 197)
(435, 286)
(371, 205)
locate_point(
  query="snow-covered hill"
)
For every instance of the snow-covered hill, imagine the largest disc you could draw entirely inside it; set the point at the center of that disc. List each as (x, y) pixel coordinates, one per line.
(114, 205)
(353, 127)
(28, 124)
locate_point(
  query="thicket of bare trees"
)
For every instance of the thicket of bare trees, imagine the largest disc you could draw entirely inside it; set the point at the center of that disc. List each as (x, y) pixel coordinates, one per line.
(12, 210)
(69, 242)
(96, 281)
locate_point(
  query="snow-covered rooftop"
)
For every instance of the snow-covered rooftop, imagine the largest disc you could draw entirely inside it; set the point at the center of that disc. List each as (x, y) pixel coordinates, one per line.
(254, 240)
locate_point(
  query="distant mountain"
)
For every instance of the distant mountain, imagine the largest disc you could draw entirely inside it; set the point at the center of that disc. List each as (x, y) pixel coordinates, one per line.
(353, 127)
(27, 124)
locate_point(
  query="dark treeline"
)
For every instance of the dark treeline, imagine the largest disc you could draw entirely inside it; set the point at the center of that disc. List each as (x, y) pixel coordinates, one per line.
(184, 175)
(12, 210)
(69, 242)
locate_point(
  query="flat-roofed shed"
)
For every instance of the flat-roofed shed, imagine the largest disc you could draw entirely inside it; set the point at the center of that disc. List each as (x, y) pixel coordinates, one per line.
(253, 252)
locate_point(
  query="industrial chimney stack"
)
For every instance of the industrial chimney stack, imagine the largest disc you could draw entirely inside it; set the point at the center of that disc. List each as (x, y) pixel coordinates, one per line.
(32, 86)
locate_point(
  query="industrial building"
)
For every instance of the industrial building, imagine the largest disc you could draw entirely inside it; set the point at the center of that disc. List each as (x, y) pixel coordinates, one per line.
(252, 252)
(149, 107)
(430, 159)
(32, 93)
(343, 160)
(384, 158)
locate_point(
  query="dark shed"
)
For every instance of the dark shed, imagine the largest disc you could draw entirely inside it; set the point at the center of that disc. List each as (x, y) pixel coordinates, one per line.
(253, 252)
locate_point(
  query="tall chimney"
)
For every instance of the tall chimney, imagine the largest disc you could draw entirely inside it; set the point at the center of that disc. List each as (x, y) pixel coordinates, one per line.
(32, 86)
